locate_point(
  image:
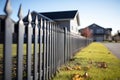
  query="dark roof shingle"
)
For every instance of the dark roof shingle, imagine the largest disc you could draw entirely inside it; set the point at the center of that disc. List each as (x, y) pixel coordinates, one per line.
(60, 14)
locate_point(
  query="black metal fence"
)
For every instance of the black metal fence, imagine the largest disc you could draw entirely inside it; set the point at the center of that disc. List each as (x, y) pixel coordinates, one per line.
(52, 47)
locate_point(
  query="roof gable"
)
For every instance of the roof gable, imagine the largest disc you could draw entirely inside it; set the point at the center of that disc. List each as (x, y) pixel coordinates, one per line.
(60, 14)
(92, 26)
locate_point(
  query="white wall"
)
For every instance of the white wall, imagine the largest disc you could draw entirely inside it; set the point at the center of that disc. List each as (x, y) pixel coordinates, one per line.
(74, 25)
(64, 23)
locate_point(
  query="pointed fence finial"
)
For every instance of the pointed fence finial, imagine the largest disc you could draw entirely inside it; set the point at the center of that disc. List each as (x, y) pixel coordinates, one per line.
(36, 20)
(29, 16)
(8, 9)
(20, 13)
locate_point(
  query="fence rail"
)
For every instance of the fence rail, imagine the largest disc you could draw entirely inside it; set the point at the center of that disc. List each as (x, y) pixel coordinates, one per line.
(40, 53)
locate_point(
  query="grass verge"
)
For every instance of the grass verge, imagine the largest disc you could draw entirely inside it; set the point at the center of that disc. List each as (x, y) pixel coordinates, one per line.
(14, 49)
(95, 60)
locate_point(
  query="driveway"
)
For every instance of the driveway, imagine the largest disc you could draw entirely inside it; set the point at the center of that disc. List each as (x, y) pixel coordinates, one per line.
(114, 48)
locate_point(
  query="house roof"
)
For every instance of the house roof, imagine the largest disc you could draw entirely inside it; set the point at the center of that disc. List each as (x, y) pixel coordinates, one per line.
(110, 29)
(34, 14)
(55, 16)
(60, 14)
(92, 26)
(2, 17)
(95, 25)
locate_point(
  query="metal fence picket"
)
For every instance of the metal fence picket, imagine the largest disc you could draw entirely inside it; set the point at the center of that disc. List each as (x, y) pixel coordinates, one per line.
(35, 54)
(7, 52)
(47, 48)
(21, 29)
(44, 49)
(49, 63)
(40, 61)
(29, 46)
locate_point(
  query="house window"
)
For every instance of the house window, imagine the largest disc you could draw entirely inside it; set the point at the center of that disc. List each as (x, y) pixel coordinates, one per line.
(99, 31)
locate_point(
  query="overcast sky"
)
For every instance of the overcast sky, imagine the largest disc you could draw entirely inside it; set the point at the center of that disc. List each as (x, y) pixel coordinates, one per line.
(105, 13)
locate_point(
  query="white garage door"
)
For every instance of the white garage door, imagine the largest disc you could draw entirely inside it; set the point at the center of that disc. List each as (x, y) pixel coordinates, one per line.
(100, 38)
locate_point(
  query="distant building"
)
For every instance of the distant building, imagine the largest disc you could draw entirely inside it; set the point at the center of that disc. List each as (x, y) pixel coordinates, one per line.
(99, 33)
(69, 19)
(116, 37)
(108, 35)
(86, 32)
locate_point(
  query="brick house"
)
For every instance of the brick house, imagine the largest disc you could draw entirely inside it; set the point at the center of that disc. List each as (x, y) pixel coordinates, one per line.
(99, 33)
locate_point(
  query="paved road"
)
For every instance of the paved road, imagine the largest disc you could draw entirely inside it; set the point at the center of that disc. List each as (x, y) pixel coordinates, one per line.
(114, 48)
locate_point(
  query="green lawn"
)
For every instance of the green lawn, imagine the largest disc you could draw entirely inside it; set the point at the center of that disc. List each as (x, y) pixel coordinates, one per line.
(1, 50)
(89, 60)
(14, 49)
(14, 52)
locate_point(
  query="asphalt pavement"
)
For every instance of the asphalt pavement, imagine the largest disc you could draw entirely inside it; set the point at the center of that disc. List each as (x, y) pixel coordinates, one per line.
(114, 48)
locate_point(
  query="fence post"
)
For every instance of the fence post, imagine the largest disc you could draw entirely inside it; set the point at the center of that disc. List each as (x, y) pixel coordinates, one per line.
(70, 46)
(51, 49)
(54, 48)
(40, 49)
(35, 59)
(47, 48)
(7, 53)
(65, 45)
(49, 73)
(44, 50)
(57, 55)
(20, 46)
(29, 44)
